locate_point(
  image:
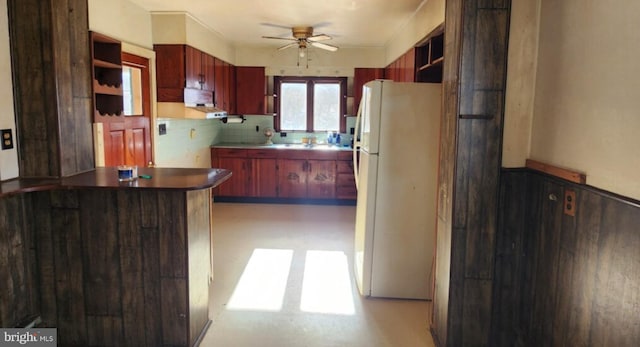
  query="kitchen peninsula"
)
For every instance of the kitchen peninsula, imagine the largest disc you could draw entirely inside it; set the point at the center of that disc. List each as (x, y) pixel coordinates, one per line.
(115, 263)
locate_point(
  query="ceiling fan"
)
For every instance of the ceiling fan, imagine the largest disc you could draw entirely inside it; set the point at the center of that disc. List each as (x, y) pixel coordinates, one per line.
(302, 37)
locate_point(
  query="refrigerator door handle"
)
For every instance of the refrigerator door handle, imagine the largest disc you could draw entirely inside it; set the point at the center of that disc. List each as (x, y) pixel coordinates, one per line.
(356, 142)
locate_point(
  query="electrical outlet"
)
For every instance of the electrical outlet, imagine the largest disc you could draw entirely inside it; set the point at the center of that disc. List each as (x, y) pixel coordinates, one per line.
(283, 134)
(7, 139)
(162, 129)
(570, 202)
(257, 128)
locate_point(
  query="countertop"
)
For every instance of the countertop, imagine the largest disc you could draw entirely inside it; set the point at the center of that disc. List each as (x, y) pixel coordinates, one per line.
(107, 178)
(318, 147)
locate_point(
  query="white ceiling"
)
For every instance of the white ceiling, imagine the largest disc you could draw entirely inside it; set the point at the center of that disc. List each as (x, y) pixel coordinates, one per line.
(351, 23)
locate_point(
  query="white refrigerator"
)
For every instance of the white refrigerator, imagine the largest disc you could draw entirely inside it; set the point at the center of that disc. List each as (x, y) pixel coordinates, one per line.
(396, 175)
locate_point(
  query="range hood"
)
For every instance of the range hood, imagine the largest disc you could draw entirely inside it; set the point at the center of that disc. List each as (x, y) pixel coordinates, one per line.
(192, 104)
(210, 110)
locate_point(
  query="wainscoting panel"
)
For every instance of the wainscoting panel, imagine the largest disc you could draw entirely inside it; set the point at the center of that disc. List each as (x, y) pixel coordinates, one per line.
(565, 280)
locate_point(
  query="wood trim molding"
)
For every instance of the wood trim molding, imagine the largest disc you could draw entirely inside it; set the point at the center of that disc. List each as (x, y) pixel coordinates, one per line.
(567, 174)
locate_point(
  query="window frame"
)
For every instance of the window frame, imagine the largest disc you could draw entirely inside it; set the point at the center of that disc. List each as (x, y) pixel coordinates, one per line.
(310, 82)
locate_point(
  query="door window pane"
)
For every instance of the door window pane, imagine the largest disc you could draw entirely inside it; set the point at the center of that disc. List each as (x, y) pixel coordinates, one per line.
(293, 106)
(326, 107)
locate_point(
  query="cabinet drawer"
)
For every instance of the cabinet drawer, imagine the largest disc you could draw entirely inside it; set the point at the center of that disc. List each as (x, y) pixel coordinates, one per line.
(261, 153)
(345, 166)
(230, 152)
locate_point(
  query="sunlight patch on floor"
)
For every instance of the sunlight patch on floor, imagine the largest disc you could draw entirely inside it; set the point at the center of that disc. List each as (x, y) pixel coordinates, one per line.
(326, 287)
(264, 281)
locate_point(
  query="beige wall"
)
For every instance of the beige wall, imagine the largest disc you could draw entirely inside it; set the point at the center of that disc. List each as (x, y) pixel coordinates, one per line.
(585, 110)
(521, 78)
(182, 28)
(425, 19)
(8, 158)
(121, 20)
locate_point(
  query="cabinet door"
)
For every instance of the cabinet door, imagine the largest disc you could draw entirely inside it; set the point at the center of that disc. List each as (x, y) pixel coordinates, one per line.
(219, 83)
(410, 65)
(264, 178)
(321, 180)
(231, 89)
(251, 89)
(237, 184)
(170, 72)
(208, 67)
(360, 77)
(292, 178)
(193, 68)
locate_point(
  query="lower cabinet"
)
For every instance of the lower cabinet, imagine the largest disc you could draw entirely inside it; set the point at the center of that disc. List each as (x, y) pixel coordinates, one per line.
(304, 178)
(285, 173)
(345, 178)
(254, 172)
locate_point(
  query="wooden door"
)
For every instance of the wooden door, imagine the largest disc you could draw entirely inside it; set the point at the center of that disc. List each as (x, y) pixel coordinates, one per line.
(237, 184)
(115, 143)
(127, 139)
(292, 178)
(264, 178)
(138, 137)
(321, 180)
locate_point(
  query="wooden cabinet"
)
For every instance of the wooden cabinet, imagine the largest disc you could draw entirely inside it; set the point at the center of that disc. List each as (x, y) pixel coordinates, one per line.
(251, 89)
(254, 172)
(306, 174)
(264, 173)
(184, 72)
(285, 173)
(360, 77)
(106, 76)
(345, 179)
(403, 68)
(430, 57)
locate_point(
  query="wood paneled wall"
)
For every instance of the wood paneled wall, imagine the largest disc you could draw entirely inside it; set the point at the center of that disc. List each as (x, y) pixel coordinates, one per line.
(113, 266)
(565, 280)
(19, 299)
(476, 37)
(50, 60)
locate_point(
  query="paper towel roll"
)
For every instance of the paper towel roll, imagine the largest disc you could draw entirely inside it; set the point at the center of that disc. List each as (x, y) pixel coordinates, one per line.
(233, 120)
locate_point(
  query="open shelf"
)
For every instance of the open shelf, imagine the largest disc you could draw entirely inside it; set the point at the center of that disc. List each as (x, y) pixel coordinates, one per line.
(107, 76)
(430, 57)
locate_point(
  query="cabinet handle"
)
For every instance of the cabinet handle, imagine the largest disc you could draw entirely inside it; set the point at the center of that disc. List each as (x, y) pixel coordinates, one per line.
(309, 167)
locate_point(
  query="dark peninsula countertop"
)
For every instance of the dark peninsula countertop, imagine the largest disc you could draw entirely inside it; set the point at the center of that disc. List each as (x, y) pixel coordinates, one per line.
(107, 178)
(160, 178)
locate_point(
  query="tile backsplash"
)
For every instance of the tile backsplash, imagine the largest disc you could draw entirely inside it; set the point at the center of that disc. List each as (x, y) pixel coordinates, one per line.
(252, 131)
(187, 142)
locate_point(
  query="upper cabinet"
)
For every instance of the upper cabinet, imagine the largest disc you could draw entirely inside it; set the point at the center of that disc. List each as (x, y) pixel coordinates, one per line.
(186, 74)
(430, 57)
(402, 69)
(170, 72)
(360, 77)
(251, 90)
(106, 75)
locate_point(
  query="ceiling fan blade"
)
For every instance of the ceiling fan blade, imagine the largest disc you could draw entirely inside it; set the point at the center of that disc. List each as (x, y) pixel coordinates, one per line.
(292, 44)
(276, 26)
(319, 37)
(279, 38)
(324, 46)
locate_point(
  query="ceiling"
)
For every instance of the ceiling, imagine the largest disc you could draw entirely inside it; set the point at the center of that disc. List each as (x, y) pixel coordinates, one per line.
(351, 23)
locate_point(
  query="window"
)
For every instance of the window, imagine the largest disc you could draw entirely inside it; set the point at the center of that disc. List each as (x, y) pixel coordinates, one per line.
(310, 103)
